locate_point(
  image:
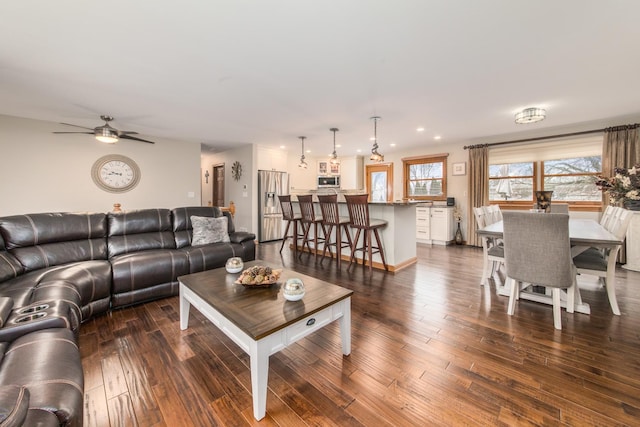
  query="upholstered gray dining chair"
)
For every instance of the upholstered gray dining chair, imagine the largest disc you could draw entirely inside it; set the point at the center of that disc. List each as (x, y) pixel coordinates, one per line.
(537, 251)
(561, 208)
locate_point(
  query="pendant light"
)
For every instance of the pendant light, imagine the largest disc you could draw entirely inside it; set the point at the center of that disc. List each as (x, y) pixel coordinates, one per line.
(375, 155)
(334, 156)
(302, 163)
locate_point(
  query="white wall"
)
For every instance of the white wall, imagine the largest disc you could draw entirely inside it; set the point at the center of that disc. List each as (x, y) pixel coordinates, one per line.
(242, 192)
(45, 172)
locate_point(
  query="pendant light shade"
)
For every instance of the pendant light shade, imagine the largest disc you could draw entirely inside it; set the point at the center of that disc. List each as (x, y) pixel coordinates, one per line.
(302, 163)
(334, 156)
(375, 155)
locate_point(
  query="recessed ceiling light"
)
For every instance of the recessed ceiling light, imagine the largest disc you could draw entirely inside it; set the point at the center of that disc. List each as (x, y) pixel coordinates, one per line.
(358, 151)
(372, 139)
(437, 137)
(308, 151)
(393, 144)
(338, 145)
(283, 146)
(420, 129)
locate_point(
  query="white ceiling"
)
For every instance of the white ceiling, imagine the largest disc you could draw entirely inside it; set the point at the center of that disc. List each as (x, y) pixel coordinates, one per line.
(237, 71)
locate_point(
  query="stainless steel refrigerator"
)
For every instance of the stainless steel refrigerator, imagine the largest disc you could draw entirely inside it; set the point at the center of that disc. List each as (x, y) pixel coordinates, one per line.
(271, 184)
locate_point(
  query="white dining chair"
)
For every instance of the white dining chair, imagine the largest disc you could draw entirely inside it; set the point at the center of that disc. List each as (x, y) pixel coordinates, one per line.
(602, 263)
(606, 215)
(537, 251)
(493, 252)
(492, 213)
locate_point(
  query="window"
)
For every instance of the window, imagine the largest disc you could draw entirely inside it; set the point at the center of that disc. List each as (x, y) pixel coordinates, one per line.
(573, 179)
(512, 181)
(426, 177)
(550, 165)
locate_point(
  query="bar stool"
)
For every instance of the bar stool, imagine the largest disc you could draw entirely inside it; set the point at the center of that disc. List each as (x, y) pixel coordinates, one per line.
(288, 215)
(331, 220)
(309, 220)
(358, 206)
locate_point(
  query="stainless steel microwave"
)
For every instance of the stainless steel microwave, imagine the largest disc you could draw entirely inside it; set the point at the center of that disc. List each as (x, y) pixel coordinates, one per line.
(329, 181)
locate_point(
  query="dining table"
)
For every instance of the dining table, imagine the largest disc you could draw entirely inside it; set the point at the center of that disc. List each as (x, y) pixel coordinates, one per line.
(583, 234)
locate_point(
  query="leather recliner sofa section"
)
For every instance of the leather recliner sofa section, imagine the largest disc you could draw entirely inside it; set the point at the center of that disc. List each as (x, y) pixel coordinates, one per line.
(58, 270)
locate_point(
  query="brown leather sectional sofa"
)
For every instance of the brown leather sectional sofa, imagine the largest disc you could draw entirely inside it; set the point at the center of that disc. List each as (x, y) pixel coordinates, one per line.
(58, 270)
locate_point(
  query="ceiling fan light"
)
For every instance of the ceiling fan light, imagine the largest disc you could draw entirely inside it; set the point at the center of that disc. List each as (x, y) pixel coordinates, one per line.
(530, 115)
(106, 135)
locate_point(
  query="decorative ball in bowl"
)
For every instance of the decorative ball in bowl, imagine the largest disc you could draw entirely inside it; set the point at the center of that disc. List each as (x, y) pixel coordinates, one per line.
(234, 265)
(293, 289)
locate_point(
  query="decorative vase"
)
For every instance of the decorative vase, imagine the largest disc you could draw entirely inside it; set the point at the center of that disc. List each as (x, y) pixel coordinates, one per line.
(632, 205)
(293, 289)
(543, 200)
(234, 265)
(458, 235)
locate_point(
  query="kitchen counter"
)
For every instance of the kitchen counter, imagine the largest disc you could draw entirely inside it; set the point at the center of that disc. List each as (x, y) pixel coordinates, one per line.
(398, 237)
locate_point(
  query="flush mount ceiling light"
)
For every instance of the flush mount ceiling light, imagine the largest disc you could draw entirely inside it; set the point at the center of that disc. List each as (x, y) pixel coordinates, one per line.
(530, 115)
(302, 163)
(375, 155)
(334, 156)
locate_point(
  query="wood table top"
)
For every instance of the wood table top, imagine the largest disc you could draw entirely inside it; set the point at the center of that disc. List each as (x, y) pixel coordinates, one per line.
(262, 311)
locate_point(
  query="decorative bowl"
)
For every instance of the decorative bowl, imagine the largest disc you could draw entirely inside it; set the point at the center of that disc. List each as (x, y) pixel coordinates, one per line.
(293, 289)
(234, 265)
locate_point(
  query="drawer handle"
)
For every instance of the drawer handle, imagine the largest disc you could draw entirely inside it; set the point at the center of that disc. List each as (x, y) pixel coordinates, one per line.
(311, 321)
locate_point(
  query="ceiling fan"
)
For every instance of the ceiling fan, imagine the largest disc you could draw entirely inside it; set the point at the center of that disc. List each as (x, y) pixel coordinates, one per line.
(108, 134)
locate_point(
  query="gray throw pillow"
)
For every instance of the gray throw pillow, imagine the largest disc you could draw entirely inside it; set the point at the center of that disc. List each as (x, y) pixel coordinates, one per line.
(209, 230)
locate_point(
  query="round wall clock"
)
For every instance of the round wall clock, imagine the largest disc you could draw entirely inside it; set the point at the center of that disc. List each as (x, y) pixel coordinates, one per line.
(236, 170)
(115, 173)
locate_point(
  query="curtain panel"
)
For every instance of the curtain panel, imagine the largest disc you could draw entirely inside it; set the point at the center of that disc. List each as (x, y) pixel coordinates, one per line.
(620, 148)
(478, 188)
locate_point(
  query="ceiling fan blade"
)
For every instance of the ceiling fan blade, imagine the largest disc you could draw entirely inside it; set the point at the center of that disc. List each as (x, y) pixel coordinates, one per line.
(83, 127)
(88, 133)
(136, 139)
(127, 132)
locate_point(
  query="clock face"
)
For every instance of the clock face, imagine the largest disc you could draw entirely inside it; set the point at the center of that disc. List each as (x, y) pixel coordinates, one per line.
(115, 173)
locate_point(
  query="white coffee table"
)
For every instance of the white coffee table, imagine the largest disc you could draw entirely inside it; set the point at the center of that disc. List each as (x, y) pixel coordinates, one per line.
(260, 320)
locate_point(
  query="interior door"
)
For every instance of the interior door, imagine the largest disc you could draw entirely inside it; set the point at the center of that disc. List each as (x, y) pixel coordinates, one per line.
(218, 185)
(380, 182)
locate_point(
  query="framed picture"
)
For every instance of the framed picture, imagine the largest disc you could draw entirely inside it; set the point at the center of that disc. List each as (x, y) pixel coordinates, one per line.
(460, 168)
(323, 167)
(334, 169)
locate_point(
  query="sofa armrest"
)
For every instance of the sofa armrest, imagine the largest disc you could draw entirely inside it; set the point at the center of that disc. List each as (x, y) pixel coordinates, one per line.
(14, 404)
(6, 304)
(241, 236)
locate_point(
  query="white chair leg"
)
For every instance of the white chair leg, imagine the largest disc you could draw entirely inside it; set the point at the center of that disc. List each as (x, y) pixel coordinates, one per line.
(571, 296)
(557, 320)
(610, 285)
(513, 295)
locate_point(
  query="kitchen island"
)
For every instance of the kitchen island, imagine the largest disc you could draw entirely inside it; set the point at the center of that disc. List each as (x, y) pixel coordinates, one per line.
(398, 237)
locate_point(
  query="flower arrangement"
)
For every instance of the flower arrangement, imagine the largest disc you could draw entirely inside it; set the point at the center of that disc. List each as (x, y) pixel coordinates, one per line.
(457, 214)
(623, 186)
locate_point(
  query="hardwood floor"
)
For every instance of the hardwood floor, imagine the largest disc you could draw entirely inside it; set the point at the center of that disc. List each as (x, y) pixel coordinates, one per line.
(430, 346)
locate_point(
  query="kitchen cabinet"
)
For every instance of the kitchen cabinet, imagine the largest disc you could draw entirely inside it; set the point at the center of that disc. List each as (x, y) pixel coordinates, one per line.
(352, 173)
(271, 159)
(434, 225)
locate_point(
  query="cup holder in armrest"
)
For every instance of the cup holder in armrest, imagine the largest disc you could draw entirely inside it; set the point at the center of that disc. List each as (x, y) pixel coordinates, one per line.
(41, 315)
(33, 309)
(30, 317)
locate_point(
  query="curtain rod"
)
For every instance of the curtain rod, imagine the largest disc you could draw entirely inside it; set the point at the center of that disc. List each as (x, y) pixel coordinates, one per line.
(562, 135)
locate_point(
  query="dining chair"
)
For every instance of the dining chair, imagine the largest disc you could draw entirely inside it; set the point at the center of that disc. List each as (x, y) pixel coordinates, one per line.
(606, 215)
(537, 251)
(358, 206)
(560, 208)
(493, 252)
(602, 263)
(310, 220)
(332, 222)
(292, 220)
(493, 214)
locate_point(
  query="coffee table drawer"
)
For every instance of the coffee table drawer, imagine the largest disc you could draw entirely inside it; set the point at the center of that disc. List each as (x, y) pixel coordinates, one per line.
(308, 325)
